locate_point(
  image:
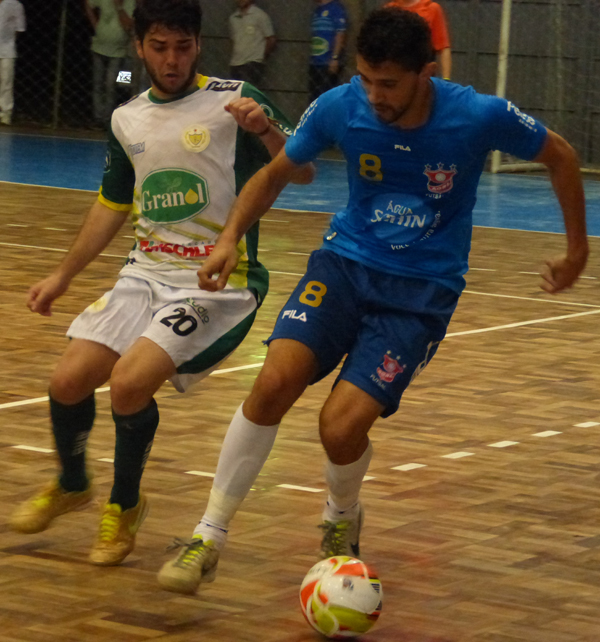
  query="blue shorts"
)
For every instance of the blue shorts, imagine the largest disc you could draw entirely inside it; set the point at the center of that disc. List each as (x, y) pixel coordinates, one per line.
(388, 326)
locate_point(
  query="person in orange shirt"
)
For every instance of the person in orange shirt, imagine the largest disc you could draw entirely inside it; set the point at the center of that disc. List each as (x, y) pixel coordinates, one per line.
(434, 14)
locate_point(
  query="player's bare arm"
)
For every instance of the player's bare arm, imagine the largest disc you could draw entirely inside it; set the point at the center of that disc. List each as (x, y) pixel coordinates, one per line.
(99, 228)
(562, 162)
(250, 116)
(257, 197)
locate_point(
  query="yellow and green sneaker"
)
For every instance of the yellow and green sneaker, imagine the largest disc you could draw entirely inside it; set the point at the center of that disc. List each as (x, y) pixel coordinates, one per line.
(341, 538)
(195, 564)
(35, 514)
(116, 536)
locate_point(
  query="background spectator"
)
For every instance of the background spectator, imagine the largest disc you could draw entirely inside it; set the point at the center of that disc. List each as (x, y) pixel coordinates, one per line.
(434, 14)
(12, 20)
(253, 40)
(329, 25)
(112, 23)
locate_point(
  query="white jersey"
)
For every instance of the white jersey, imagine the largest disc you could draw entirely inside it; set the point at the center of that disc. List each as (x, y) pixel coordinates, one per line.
(178, 166)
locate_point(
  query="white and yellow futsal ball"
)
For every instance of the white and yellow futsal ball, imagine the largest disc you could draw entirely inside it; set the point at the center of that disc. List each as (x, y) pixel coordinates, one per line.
(341, 597)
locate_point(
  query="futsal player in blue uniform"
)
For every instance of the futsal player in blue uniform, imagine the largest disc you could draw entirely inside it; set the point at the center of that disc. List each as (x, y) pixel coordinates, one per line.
(384, 284)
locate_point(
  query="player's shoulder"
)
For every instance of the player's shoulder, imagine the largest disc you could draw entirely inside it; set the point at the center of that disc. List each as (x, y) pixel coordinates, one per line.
(460, 97)
(131, 106)
(339, 9)
(257, 11)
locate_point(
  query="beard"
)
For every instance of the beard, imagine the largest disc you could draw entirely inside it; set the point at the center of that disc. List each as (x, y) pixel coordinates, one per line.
(178, 89)
(388, 114)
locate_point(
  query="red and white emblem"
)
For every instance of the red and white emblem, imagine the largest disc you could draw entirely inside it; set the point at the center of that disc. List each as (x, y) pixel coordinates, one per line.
(389, 368)
(440, 179)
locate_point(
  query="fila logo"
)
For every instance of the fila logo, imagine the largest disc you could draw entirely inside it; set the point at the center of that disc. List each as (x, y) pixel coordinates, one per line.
(404, 148)
(293, 314)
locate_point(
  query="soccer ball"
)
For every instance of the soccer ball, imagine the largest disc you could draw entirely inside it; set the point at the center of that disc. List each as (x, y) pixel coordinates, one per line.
(341, 597)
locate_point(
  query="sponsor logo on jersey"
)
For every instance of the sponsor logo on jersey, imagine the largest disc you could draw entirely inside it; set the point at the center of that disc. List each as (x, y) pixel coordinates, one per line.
(228, 85)
(440, 179)
(173, 195)
(319, 46)
(138, 148)
(390, 367)
(107, 162)
(306, 115)
(293, 314)
(526, 120)
(184, 251)
(403, 148)
(195, 138)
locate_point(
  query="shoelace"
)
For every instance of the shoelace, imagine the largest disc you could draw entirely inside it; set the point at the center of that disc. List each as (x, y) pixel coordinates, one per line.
(109, 526)
(193, 549)
(334, 539)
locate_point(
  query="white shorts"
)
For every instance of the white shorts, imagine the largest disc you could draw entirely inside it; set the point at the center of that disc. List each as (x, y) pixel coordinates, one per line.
(197, 329)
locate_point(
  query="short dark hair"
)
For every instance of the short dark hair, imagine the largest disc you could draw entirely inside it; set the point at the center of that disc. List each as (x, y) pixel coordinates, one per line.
(395, 35)
(178, 15)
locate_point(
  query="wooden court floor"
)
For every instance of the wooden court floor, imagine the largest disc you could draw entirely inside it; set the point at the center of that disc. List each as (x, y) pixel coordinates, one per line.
(488, 532)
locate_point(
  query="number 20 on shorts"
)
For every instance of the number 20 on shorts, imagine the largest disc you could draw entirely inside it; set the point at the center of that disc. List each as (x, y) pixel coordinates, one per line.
(313, 294)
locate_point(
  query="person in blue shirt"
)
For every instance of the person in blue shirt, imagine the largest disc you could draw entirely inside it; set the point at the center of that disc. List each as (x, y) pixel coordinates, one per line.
(329, 26)
(384, 284)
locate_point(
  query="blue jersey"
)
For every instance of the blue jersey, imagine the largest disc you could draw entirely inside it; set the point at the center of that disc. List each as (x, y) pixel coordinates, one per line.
(328, 19)
(412, 191)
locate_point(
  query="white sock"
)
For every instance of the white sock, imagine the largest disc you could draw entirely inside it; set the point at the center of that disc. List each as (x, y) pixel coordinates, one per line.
(245, 449)
(344, 484)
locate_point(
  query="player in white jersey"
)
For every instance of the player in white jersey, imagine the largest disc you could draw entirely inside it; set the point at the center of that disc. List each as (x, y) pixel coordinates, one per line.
(178, 154)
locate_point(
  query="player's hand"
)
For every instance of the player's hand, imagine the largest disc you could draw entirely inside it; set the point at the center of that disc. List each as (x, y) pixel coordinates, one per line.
(41, 296)
(334, 67)
(248, 115)
(561, 272)
(222, 261)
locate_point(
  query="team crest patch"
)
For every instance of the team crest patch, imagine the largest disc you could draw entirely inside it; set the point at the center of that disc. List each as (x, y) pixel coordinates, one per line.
(196, 138)
(390, 367)
(440, 179)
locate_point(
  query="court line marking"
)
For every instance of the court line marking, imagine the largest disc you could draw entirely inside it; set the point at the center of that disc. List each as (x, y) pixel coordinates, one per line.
(306, 489)
(26, 402)
(593, 278)
(458, 455)
(69, 189)
(407, 467)
(35, 449)
(530, 298)
(504, 296)
(55, 249)
(522, 323)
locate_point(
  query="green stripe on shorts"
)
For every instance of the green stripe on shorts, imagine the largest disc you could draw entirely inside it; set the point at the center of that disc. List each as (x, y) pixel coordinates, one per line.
(222, 347)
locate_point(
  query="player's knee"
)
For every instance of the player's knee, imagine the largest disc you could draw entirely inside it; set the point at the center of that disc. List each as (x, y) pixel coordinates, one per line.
(127, 394)
(67, 387)
(273, 394)
(333, 431)
(342, 435)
